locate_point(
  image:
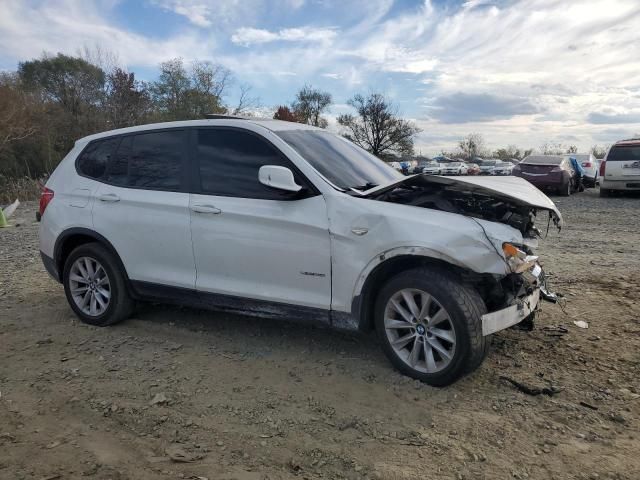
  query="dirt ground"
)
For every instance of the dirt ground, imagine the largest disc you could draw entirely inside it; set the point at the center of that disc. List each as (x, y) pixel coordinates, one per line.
(244, 398)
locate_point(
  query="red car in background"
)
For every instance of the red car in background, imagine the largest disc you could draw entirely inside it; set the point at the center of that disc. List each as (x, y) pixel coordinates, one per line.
(549, 172)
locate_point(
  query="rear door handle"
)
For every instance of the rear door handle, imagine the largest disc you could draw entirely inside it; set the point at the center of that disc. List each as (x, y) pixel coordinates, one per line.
(205, 209)
(109, 197)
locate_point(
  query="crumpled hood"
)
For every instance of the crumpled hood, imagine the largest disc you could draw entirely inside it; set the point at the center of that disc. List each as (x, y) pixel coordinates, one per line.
(514, 189)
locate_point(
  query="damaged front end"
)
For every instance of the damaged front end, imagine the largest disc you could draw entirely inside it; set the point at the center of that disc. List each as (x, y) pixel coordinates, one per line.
(511, 297)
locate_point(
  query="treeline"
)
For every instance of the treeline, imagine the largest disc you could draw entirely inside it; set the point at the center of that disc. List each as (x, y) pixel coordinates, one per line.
(473, 146)
(50, 102)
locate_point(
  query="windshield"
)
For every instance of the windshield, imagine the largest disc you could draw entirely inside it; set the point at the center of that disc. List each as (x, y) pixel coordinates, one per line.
(340, 161)
(542, 160)
(488, 163)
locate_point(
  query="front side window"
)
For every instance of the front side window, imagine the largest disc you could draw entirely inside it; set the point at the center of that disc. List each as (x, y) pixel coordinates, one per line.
(93, 160)
(229, 161)
(340, 161)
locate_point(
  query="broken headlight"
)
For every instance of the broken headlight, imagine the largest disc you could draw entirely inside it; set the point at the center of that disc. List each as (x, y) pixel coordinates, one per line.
(518, 260)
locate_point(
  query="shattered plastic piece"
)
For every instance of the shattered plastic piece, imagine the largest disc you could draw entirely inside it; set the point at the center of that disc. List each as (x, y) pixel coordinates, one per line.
(581, 324)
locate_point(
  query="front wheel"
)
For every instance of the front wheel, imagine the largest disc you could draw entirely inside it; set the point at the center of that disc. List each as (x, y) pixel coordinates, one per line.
(430, 325)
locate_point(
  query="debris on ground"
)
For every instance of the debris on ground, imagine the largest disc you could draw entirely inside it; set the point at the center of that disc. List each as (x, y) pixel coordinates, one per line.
(581, 324)
(550, 391)
(181, 454)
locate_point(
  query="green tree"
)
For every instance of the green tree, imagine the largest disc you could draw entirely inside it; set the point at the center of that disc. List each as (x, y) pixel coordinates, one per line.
(310, 104)
(377, 127)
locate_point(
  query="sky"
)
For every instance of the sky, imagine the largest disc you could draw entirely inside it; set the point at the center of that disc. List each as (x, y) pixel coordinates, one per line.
(523, 72)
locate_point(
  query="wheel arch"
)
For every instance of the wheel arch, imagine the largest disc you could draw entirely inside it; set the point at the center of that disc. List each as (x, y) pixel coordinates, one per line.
(389, 264)
(72, 238)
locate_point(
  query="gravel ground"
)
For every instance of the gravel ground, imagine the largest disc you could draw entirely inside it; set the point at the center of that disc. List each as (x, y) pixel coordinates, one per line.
(180, 393)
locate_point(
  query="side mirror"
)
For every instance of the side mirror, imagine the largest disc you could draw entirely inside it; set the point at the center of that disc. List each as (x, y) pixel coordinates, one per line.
(278, 177)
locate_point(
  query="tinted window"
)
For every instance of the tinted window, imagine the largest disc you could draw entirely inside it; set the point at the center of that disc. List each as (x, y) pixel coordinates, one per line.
(156, 160)
(94, 158)
(621, 153)
(118, 167)
(340, 161)
(229, 161)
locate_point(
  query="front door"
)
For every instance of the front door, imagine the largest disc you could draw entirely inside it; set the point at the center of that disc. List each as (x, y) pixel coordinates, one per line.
(250, 240)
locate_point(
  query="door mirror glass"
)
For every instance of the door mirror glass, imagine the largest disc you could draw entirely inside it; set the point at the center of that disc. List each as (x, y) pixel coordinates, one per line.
(278, 177)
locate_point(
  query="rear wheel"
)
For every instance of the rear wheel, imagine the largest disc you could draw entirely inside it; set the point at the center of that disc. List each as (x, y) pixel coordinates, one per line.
(430, 325)
(565, 190)
(95, 286)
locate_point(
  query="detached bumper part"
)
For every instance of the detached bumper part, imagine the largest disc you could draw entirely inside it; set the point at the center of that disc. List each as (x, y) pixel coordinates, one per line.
(507, 317)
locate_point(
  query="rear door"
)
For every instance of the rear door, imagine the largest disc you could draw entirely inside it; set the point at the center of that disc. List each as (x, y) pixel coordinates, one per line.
(142, 207)
(250, 240)
(623, 163)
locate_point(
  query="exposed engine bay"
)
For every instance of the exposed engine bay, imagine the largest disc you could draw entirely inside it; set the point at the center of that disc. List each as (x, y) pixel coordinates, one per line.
(473, 199)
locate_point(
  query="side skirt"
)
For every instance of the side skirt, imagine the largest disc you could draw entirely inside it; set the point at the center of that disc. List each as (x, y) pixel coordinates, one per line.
(153, 292)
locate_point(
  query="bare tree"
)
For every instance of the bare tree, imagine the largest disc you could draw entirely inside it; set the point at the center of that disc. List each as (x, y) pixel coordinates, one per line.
(246, 102)
(309, 105)
(15, 112)
(377, 126)
(472, 146)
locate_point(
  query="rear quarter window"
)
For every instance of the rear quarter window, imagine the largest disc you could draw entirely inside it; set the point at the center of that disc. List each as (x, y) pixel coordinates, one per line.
(621, 153)
(94, 159)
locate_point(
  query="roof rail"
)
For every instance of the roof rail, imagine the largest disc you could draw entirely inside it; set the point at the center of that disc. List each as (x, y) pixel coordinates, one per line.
(222, 116)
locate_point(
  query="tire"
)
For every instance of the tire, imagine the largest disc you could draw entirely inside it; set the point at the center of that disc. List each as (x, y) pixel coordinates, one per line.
(565, 190)
(605, 192)
(115, 307)
(463, 309)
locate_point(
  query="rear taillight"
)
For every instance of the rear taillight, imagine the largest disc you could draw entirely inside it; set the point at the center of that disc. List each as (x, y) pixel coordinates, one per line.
(586, 164)
(602, 167)
(45, 197)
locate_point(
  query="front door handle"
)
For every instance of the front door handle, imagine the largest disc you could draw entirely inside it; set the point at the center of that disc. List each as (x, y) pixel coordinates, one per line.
(109, 197)
(205, 209)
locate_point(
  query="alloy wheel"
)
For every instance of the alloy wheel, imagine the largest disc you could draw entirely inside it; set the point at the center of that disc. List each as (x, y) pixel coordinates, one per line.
(420, 330)
(89, 286)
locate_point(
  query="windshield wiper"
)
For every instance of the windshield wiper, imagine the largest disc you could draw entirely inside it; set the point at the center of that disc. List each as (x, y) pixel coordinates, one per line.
(366, 186)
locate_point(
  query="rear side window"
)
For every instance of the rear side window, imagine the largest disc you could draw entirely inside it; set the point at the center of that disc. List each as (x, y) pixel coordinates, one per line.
(148, 161)
(93, 160)
(229, 161)
(621, 153)
(155, 160)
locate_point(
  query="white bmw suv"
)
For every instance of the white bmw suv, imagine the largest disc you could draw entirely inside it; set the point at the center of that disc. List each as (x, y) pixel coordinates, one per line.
(285, 220)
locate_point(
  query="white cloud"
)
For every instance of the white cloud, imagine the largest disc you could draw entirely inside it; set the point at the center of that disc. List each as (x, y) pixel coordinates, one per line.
(67, 26)
(247, 36)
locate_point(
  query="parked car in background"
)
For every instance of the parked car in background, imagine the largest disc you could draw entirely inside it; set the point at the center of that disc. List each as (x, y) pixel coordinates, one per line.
(473, 169)
(548, 172)
(487, 166)
(396, 166)
(330, 234)
(405, 167)
(620, 169)
(420, 166)
(454, 168)
(433, 168)
(502, 168)
(590, 166)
